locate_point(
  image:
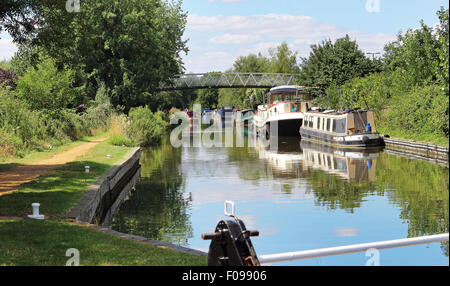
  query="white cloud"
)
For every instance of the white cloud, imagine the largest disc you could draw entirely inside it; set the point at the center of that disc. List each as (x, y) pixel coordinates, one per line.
(241, 35)
(235, 39)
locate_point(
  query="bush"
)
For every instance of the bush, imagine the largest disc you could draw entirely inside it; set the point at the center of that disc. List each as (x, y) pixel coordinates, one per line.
(146, 128)
(45, 87)
(423, 110)
(23, 130)
(141, 128)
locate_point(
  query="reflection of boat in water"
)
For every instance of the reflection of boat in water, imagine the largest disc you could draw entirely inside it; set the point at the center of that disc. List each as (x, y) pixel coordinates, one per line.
(356, 166)
(351, 129)
(285, 162)
(294, 160)
(285, 108)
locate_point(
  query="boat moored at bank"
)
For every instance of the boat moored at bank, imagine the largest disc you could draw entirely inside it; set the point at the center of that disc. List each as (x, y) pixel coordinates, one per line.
(284, 107)
(350, 129)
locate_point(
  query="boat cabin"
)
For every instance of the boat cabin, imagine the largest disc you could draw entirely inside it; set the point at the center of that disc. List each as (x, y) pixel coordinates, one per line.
(348, 123)
(284, 99)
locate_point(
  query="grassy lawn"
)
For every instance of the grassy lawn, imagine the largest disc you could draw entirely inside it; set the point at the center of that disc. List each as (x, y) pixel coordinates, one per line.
(28, 242)
(44, 243)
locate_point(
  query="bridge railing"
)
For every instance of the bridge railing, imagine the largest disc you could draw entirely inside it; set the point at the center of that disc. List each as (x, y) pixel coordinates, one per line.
(227, 80)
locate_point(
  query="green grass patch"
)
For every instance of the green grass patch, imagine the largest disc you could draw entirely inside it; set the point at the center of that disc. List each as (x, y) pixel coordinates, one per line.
(61, 190)
(44, 243)
(121, 140)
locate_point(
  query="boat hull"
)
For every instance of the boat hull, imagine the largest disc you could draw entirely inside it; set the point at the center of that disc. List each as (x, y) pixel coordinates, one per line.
(287, 127)
(363, 140)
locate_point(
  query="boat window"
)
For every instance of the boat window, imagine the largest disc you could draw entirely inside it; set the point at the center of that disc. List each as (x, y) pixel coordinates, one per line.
(328, 124)
(311, 122)
(334, 125)
(318, 122)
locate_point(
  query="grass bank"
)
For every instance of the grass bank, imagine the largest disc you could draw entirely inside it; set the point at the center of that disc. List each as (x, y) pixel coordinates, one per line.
(44, 243)
(26, 242)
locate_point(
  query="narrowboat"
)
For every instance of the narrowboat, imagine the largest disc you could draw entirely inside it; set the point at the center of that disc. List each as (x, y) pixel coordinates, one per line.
(285, 107)
(350, 129)
(226, 112)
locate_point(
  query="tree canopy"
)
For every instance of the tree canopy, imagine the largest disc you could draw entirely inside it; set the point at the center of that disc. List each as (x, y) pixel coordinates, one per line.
(130, 45)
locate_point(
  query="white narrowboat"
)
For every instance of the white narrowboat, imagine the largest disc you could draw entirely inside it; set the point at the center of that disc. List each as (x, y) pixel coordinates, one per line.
(285, 107)
(350, 129)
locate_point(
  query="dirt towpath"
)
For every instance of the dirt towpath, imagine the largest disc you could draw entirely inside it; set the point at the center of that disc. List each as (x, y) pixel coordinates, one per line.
(10, 180)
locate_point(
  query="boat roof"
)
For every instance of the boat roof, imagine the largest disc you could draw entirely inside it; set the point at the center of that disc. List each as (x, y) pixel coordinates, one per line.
(333, 112)
(287, 89)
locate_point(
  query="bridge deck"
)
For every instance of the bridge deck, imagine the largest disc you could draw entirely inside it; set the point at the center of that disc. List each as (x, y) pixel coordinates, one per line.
(227, 80)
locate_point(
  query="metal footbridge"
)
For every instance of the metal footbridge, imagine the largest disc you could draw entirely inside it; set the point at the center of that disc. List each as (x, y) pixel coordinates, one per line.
(226, 80)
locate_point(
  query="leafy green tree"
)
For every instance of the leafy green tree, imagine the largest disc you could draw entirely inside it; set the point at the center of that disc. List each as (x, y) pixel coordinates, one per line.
(442, 51)
(208, 98)
(415, 55)
(337, 62)
(131, 45)
(252, 63)
(46, 87)
(283, 60)
(22, 18)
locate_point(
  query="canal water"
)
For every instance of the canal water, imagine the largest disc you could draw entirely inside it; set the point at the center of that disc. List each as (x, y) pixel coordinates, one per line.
(302, 196)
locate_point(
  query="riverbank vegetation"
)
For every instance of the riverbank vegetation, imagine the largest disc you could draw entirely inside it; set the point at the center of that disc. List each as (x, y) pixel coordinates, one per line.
(56, 89)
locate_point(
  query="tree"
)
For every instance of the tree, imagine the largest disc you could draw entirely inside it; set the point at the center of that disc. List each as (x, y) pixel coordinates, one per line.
(130, 45)
(21, 18)
(414, 55)
(442, 68)
(251, 63)
(283, 60)
(46, 87)
(336, 63)
(208, 98)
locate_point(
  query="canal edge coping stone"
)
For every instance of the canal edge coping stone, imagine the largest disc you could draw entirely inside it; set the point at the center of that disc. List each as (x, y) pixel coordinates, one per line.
(85, 210)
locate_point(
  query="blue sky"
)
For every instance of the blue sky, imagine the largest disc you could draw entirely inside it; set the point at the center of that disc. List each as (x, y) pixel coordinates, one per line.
(219, 31)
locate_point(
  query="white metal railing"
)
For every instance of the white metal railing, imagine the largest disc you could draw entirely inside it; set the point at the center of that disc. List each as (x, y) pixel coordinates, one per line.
(331, 251)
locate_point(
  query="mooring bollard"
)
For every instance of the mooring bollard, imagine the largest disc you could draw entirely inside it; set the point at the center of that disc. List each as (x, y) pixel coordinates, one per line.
(36, 214)
(86, 169)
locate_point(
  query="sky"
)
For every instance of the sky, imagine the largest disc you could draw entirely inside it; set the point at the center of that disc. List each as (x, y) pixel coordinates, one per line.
(219, 31)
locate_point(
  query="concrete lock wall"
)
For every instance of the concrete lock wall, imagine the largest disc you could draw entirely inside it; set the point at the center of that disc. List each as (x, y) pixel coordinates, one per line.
(104, 197)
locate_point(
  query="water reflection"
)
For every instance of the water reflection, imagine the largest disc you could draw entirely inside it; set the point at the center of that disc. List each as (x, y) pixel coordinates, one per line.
(157, 209)
(182, 191)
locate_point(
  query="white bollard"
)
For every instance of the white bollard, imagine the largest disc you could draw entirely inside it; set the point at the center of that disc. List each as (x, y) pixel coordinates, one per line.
(108, 156)
(36, 214)
(86, 169)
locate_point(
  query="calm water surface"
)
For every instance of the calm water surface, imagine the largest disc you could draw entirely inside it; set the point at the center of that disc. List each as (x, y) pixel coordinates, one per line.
(301, 197)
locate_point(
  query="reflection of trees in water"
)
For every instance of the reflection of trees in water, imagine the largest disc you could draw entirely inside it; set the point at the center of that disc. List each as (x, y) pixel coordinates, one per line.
(336, 193)
(157, 209)
(420, 188)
